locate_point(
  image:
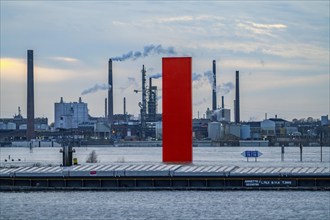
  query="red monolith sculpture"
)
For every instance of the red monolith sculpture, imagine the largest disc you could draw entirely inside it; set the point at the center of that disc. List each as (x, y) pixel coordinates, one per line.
(177, 110)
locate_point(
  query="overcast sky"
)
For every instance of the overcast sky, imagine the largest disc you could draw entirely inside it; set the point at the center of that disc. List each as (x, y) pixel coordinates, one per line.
(281, 49)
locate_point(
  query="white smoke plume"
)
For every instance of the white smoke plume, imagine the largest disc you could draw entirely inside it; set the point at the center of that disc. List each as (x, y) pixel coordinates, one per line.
(131, 81)
(147, 50)
(96, 88)
(198, 80)
(200, 102)
(209, 75)
(156, 75)
(196, 76)
(225, 88)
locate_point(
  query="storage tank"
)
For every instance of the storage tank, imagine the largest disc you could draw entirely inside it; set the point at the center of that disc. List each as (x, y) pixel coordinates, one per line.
(223, 112)
(129, 133)
(12, 126)
(22, 127)
(3, 126)
(43, 127)
(159, 130)
(215, 131)
(245, 132)
(235, 130)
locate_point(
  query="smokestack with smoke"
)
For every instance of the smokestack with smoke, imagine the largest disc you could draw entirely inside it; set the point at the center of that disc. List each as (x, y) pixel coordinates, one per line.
(155, 75)
(214, 87)
(237, 102)
(147, 50)
(200, 79)
(96, 88)
(110, 93)
(223, 89)
(222, 107)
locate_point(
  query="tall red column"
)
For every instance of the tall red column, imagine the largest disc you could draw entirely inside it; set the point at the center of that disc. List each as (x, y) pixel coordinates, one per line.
(177, 110)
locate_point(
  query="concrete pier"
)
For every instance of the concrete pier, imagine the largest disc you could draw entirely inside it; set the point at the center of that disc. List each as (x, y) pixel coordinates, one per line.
(164, 177)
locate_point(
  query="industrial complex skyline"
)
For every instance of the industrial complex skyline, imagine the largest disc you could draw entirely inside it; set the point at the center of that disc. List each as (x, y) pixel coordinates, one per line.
(281, 50)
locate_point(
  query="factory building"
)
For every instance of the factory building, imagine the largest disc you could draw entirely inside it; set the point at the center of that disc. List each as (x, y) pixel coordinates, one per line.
(221, 114)
(70, 115)
(216, 131)
(324, 120)
(159, 130)
(255, 130)
(245, 132)
(268, 128)
(200, 127)
(223, 131)
(20, 123)
(12, 124)
(217, 125)
(152, 102)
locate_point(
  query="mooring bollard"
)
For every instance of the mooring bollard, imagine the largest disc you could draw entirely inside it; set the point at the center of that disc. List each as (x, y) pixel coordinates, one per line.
(67, 152)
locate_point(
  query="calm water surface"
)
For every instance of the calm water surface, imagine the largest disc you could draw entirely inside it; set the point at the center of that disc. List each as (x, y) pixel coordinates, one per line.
(201, 155)
(166, 205)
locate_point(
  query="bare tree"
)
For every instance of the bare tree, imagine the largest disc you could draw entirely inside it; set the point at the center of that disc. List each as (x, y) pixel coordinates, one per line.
(92, 157)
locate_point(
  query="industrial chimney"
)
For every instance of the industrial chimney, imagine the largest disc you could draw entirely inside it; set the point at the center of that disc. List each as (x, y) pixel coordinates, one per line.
(30, 134)
(214, 88)
(152, 103)
(105, 108)
(222, 107)
(110, 93)
(144, 92)
(124, 105)
(237, 110)
(143, 110)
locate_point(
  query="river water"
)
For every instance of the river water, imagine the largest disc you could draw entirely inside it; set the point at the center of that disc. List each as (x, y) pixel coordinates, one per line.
(167, 204)
(311, 156)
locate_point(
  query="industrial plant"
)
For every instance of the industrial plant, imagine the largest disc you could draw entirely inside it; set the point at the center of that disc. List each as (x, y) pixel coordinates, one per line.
(74, 126)
(174, 130)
